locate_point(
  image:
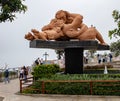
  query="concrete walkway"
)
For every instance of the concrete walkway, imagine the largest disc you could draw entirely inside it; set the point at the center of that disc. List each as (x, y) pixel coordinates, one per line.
(8, 91)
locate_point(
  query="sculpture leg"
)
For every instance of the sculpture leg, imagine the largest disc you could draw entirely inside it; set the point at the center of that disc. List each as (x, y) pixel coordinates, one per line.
(29, 36)
(77, 22)
(88, 34)
(39, 35)
(100, 38)
(53, 35)
(72, 33)
(92, 33)
(43, 36)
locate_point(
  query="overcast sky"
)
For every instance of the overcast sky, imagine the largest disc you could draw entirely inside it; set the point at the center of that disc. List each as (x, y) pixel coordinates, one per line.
(14, 49)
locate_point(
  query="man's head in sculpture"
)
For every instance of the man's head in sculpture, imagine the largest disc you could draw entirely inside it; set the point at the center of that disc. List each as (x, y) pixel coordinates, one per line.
(64, 15)
(61, 15)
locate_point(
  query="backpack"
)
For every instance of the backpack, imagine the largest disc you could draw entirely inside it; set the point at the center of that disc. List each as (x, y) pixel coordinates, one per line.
(25, 72)
(36, 61)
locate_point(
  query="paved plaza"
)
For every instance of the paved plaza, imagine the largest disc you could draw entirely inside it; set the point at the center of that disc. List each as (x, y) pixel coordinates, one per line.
(10, 93)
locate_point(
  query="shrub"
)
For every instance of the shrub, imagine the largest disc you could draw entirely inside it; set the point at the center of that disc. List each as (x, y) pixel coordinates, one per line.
(45, 70)
(98, 66)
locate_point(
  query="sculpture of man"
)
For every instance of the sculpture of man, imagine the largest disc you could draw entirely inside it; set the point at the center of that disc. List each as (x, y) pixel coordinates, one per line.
(74, 27)
(68, 25)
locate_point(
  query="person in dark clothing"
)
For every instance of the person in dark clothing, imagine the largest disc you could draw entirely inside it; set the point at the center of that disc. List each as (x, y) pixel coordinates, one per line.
(110, 56)
(37, 61)
(6, 75)
(25, 73)
(99, 58)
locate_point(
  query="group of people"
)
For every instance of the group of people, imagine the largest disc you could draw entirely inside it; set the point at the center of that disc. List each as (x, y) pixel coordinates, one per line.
(104, 58)
(23, 73)
(66, 26)
(39, 61)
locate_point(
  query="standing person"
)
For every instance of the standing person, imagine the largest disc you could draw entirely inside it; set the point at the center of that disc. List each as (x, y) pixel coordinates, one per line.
(99, 58)
(106, 58)
(41, 61)
(110, 57)
(86, 59)
(103, 59)
(6, 75)
(38, 61)
(21, 73)
(25, 73)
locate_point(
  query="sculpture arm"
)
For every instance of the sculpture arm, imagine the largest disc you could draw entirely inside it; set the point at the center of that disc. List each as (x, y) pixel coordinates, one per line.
(73, 15)
(46, 27)
(83, 28)
(51, 25)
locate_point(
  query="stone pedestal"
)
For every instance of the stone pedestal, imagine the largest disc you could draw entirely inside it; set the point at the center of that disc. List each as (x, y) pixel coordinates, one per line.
(73, 51)
(74, 60)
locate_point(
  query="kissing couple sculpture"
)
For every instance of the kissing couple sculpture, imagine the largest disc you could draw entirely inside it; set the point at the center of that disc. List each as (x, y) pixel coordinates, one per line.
(66, 26)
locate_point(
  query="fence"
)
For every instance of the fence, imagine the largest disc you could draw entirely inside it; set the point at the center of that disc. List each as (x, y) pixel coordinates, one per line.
(24, 83)
(91, 84)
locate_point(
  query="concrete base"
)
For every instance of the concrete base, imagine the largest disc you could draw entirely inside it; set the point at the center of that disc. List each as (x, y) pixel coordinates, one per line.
(73, 51)
(86, 45)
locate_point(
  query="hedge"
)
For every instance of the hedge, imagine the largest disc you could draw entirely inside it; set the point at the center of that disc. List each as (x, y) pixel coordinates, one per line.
(78, 88)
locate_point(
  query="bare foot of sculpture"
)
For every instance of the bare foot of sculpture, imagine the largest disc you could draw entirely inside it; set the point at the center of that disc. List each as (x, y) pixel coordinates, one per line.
(39, 35)
(29, 36)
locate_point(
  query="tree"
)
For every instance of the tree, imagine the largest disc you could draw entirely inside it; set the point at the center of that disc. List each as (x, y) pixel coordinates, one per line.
(92, 51)
(8, 8)
(60, 53)
(115, 32)
(115, 46)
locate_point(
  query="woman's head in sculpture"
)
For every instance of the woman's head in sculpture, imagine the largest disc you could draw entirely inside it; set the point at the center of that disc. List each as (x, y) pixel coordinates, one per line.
(61, 15)
(57, 22)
